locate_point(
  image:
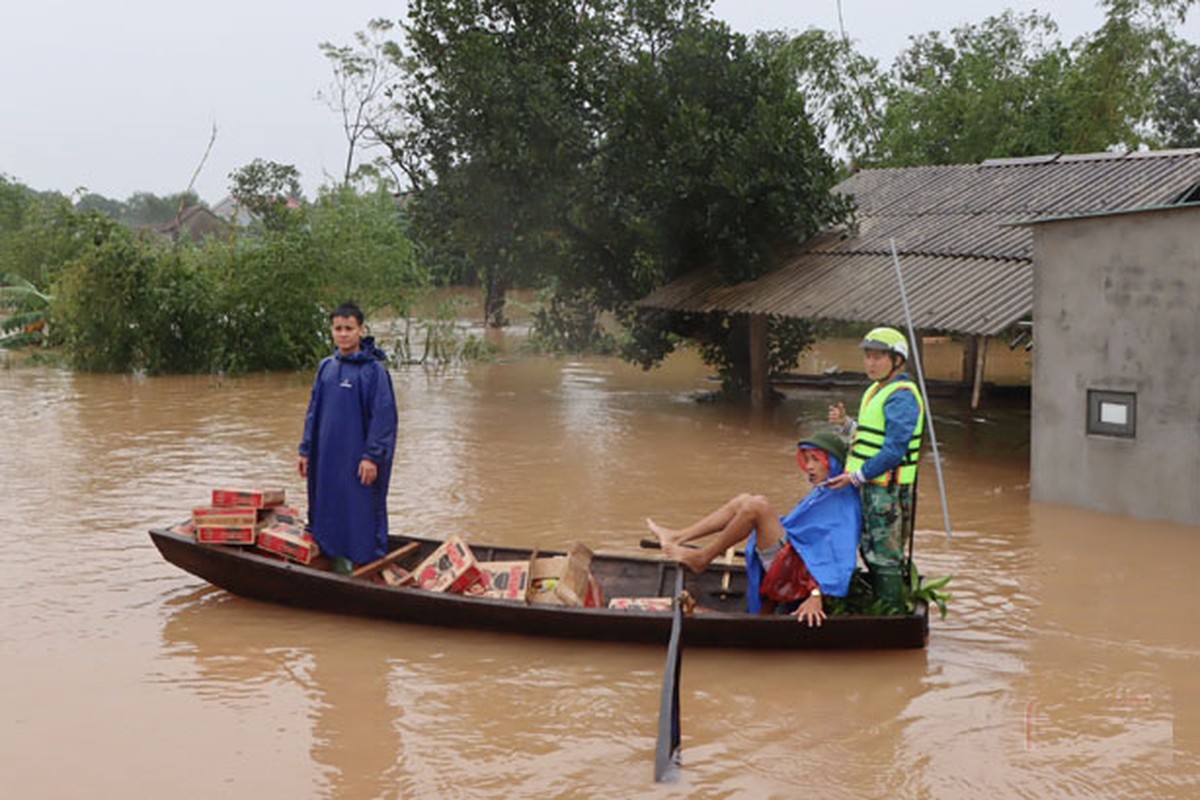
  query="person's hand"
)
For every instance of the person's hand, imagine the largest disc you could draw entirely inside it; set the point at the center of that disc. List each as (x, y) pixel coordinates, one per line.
(837, 415)
(811, 611)
(302, 466)
(367, 472)
(838, 481)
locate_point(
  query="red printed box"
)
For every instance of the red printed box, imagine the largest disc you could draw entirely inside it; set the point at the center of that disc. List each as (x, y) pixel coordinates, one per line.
(504, 580)
(222, 535)
(285, 514)
(288, 541)
(450, 568)
(641, 603)
(258, 498)
(225, 516)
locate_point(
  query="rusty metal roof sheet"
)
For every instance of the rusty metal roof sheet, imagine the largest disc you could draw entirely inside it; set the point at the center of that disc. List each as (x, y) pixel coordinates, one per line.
(967, 268)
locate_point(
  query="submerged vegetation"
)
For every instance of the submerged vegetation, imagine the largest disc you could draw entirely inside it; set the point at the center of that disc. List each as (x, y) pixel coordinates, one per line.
(861, 599)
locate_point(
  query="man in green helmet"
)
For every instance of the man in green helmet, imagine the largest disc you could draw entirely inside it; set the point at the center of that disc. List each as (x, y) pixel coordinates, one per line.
(884, 448)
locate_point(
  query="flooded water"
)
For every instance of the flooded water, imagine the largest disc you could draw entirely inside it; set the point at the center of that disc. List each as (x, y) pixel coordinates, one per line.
(1067, 666)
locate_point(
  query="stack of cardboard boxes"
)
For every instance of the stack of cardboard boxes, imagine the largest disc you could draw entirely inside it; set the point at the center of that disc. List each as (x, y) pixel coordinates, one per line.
(564, 580)
(259, 517)
(256, 517)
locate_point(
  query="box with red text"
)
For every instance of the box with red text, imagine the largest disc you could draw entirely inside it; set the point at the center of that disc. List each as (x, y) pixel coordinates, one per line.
(257, 498)
(503, 580)
(450, 568)
(289, 541)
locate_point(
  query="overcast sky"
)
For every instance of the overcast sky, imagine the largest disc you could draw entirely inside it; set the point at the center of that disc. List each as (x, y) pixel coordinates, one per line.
(120, 96)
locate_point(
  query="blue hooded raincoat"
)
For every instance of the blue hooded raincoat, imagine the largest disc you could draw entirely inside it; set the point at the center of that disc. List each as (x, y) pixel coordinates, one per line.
(824, 529)
(351, 416)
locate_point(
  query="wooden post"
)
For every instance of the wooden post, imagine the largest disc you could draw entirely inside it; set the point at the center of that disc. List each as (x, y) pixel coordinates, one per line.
(980, 363)
(758, 361)
(970, 353)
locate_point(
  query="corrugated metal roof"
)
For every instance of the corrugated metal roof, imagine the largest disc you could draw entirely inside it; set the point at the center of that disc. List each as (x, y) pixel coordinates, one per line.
(967, 268)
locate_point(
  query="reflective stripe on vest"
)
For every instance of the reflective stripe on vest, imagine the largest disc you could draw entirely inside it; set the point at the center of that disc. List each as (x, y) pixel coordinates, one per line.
(869, 435)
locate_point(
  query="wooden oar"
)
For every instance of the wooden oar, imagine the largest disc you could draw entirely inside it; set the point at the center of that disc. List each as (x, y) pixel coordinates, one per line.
(666, 755)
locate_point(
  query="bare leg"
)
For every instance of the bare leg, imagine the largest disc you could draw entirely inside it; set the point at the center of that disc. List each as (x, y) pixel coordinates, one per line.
(749, 512)
(710, 524)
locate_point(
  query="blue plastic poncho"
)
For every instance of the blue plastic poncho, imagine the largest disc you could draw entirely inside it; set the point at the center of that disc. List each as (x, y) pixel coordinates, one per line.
(351, 416)
(824, 529)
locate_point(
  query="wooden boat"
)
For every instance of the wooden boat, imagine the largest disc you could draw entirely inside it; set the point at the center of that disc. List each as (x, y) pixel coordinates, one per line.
(718, 621)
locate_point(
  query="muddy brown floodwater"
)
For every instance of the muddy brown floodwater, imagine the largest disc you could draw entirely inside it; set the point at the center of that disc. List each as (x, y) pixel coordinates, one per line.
(1069, 665)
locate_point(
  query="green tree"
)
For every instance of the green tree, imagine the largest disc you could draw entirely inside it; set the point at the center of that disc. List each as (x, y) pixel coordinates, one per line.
(364, 77)
(500, 93)
(1177, 98)
(1000, 88)
(364, 249)
(710, 162)
(48, 235)
(269, 190)
(598, 149)
(97, 202)
(1007, 87)
(268, 303)
(99, 298)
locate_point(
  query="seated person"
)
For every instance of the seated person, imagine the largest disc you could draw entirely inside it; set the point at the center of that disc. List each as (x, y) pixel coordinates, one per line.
(809, 552)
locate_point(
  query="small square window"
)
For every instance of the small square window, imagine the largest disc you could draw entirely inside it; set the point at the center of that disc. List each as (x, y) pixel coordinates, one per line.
(1112, 413)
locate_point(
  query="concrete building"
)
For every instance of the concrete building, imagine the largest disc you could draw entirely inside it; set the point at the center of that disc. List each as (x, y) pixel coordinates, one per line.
(1116, 376)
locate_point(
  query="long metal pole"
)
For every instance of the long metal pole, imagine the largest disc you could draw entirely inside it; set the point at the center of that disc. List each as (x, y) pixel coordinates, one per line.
(912, 337)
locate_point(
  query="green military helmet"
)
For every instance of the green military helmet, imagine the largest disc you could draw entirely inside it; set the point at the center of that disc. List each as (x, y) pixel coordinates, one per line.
(829, 442)
(887, 339)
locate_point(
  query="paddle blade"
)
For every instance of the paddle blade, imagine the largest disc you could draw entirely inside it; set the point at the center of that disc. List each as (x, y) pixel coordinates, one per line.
(667, 749)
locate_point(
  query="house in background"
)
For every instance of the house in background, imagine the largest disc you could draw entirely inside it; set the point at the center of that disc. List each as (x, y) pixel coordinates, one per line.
(967, 269)
(193, 225)
(1116, 377)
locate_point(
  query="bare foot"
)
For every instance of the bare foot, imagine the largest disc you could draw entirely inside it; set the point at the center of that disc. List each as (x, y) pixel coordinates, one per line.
(690, 557)
(665, 536)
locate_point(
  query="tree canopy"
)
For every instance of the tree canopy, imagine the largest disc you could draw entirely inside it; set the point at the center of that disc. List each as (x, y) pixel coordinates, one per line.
(596, 149)
(1008, 86)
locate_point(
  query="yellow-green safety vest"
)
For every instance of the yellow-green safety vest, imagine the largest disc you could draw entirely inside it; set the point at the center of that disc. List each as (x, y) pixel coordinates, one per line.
(869, 435)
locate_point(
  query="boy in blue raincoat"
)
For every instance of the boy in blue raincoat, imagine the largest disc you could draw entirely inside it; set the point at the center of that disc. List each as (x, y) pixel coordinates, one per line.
(348, 444)
(809, 552)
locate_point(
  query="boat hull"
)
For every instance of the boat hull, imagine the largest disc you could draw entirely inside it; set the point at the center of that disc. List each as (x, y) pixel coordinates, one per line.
(247, 573)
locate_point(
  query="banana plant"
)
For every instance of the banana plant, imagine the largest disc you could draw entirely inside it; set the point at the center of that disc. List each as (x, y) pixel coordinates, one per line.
(26, 308)
(920, 590)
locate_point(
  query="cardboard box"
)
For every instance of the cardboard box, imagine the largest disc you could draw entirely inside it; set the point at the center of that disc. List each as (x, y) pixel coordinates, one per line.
(225, 516)
(561, 580)
(285, 514)
(289, 541)
(258, 498)
(641, 603)
(504, 580)
(225, 535)
(450, 568)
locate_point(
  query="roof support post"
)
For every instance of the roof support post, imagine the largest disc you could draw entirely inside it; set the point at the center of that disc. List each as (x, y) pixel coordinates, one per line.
(970, 352)
(758, 360)
(980, 364)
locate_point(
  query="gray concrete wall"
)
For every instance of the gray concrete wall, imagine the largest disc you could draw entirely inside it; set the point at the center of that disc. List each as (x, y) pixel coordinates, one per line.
(1117, 307)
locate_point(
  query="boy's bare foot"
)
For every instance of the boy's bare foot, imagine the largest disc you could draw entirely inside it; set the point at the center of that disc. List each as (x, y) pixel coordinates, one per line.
(690, 557)
(665, 536)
